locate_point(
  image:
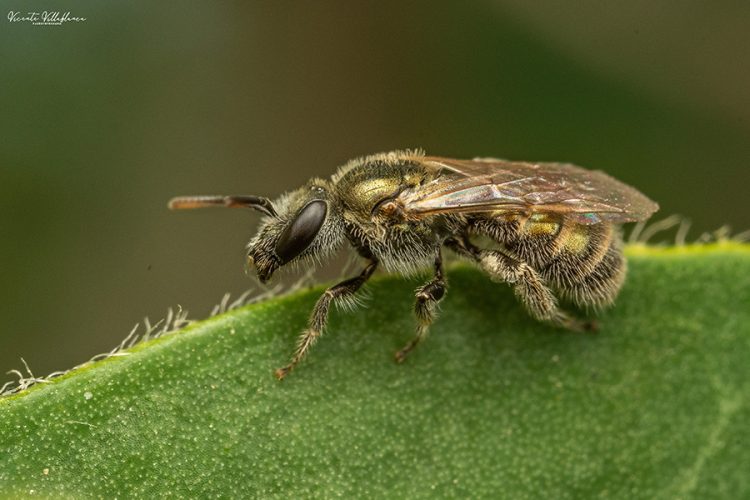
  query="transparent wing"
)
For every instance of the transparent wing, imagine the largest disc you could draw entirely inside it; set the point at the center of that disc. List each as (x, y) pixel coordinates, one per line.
(483, 185)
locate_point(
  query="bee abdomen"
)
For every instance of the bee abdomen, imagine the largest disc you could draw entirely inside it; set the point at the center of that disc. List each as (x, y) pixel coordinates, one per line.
(593, 278)
(584, 263)
(533, 240)
(562, 248)
(576, 252)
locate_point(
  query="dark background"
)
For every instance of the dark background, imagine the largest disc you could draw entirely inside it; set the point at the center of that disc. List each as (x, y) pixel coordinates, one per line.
(103, 121)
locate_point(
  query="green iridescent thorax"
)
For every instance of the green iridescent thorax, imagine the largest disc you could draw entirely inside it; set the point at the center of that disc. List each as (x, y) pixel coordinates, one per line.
(363, 187)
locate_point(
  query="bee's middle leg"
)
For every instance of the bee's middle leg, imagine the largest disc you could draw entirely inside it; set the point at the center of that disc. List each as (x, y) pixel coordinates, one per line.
(427, 295)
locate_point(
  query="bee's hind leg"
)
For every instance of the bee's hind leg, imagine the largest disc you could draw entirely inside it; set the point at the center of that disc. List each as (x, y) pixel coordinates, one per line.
(428, 295)
(530, 289)
(527, 284)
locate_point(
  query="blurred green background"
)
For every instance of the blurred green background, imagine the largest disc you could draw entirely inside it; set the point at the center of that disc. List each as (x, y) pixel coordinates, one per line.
(104, 120)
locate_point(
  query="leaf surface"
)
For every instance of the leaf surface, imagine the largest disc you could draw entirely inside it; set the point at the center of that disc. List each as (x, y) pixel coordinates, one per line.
(494, 404)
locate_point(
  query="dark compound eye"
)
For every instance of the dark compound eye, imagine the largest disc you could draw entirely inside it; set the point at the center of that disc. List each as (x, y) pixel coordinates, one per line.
(301, 232)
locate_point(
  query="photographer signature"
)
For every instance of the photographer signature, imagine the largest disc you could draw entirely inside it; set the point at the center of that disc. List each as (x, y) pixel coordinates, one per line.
(44, 18)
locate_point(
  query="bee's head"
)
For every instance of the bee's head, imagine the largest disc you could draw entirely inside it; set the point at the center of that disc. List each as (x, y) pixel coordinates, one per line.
(301, 225)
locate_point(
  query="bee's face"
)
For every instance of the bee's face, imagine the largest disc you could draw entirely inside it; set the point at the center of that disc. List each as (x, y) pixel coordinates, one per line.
(306, 225)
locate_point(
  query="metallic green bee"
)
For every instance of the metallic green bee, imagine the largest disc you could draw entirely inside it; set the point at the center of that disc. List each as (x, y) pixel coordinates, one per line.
(554, 230)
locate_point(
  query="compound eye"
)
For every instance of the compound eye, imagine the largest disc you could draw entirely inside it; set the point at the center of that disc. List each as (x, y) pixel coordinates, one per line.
(301, 232)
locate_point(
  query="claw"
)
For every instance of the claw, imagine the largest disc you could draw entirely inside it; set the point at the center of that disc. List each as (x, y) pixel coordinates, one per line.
(401, 355)
(280, 373)
(591, 326)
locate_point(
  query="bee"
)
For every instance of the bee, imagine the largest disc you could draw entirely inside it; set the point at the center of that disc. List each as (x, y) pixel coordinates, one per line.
(553, 231)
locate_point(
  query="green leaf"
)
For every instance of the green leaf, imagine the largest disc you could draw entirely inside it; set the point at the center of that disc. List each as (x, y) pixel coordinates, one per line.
(493, 405)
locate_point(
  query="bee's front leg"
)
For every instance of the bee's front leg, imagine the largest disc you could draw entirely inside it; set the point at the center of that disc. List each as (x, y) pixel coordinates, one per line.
(428, 295)
(342, 291)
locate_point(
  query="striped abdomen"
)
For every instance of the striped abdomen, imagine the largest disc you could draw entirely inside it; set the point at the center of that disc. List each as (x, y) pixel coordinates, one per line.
(584, 263)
